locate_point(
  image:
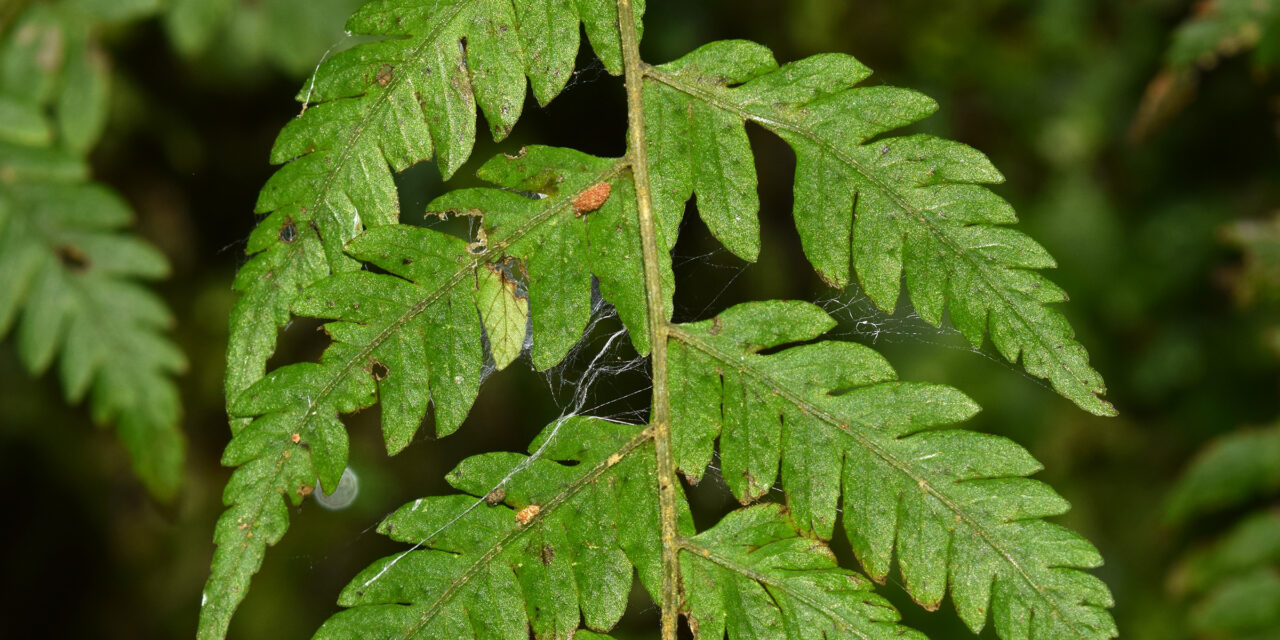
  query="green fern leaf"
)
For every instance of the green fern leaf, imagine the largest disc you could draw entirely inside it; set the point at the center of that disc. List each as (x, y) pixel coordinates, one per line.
(1223, 28)
(754, 574)
(1234, 581)
(69, 275)
(1251, 543)
(413, 337)
(953, 503)
(558, 550)
(1243, 607)
(289, 34)
(491, 570)
(382, 107)
(886, 206)
(1233, 469)
(594, 232)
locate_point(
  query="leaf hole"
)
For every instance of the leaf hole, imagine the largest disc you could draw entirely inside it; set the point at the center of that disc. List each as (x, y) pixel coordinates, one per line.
(288, 232)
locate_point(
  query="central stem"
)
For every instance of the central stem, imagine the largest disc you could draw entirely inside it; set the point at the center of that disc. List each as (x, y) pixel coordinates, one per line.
(660, 417)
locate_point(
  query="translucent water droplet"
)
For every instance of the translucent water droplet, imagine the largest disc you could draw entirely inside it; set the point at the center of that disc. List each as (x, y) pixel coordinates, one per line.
(341, 497)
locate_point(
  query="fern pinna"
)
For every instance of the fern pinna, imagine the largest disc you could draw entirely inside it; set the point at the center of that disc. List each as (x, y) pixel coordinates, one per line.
(535, 543)
(69, 270)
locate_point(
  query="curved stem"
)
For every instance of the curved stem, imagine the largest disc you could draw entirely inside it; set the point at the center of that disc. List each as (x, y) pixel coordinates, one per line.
(660, 417)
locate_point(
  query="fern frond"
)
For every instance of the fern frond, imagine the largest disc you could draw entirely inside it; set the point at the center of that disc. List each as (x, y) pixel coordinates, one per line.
(69, 273)
(382, 107)
(559, 550)
(412, 336)
(1242, 608)
(885, 206)
(1234, 581)
(1222, 28)
(599, 238)
(1230, 471)
(1251, 543)
(954, 504)
(755, 575)
(288, 34)
(541, 545)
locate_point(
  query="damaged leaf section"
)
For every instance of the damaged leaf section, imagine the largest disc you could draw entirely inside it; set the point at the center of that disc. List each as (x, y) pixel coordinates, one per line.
(505, 314)
(561, 250)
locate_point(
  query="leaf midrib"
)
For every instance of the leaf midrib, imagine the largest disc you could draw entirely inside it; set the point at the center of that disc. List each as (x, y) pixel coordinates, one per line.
(989, 537)
(694, 547)
(569, 490)
(980, 268)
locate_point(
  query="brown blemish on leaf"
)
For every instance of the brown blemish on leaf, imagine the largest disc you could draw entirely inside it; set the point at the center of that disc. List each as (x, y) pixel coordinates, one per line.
(592, 198)
(379, 371)
(715, 326)
(548, 554)
(72, 257)
(526, 514)
(385, 75)
(295, 438)
(495, 496)
(305, 490)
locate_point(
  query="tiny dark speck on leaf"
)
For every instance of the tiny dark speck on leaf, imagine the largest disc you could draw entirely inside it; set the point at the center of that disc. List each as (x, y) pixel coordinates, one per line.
(288, 232)
(884, 149)
(379, 371)
(496, 496)
(548, 554)
(406, 261)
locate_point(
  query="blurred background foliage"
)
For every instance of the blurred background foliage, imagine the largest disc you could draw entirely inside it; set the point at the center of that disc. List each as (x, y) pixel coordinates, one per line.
(1139, 139)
